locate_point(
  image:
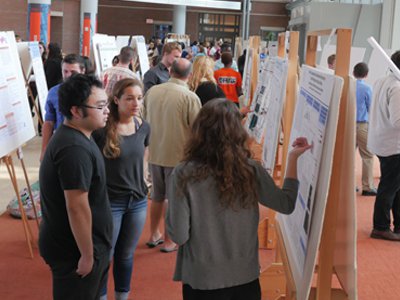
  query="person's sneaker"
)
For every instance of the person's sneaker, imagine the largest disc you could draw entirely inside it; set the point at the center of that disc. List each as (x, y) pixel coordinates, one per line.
(371, 192)
(385, 235)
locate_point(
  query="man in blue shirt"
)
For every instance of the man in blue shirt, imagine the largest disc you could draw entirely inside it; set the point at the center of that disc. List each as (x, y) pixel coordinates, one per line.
(364, 95)
(71, 64)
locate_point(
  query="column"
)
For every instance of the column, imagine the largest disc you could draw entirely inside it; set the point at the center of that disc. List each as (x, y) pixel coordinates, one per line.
(39, 20)
(390, 23)
(179, 20)
(88, 25)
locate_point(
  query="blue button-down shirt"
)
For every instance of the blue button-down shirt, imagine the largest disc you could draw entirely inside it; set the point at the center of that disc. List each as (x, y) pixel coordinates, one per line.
(364, 95)
(52, 111)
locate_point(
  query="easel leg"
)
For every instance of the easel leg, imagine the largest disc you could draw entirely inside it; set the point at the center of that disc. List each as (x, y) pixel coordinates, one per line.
(27, 230)
(21, 159)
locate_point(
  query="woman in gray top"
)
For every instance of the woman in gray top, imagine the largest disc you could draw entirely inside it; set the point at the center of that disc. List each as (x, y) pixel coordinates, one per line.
(213, 209)
(123, 143)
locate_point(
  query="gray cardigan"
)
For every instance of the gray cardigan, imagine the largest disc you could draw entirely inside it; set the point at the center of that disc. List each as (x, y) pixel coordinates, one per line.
(218, 247)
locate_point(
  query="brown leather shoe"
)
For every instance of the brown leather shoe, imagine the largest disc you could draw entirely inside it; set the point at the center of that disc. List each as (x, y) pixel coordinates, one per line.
(385, 235)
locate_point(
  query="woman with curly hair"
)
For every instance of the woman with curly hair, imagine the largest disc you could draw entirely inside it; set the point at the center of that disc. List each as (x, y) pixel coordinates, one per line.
(124, 142)
(202, 71)
(213, 211)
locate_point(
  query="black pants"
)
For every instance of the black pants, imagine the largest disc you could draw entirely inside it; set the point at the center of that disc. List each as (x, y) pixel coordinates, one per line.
(388, 196)
(68, 285)
(248, 291)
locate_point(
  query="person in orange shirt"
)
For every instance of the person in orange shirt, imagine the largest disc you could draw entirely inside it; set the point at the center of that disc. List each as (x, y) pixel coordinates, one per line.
(228, 79)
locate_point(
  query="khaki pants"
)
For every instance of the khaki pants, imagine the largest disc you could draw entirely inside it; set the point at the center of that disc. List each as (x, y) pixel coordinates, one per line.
(366, 156)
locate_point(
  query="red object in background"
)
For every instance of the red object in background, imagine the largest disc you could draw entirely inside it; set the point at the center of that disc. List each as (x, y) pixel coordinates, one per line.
(86, 35)
(34, 25)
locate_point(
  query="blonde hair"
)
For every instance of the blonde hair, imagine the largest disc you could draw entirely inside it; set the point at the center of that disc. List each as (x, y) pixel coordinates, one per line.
(203, 70)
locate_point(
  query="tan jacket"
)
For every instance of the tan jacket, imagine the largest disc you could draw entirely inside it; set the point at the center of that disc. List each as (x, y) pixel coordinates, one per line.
(170, 108)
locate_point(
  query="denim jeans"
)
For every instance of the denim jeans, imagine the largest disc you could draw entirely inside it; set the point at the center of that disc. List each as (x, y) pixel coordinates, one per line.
(388, 196)
(129, 216)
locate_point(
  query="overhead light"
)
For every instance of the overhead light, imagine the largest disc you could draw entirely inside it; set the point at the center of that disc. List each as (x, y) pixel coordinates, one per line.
(197, 3)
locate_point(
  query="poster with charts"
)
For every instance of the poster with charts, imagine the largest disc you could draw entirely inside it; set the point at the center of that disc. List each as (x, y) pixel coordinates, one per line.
(267, 105)
(16, 123)
(104, 50)
(315, 118)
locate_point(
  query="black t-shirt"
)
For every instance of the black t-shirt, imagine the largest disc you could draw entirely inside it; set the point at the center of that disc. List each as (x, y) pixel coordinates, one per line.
(125, 173)
(72, 162)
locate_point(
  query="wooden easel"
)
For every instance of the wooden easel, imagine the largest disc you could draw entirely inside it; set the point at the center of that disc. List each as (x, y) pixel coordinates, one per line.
(266, 232)
(7, 160)
(340, 191)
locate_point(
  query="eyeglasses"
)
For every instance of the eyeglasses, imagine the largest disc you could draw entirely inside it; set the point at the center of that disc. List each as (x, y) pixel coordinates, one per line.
(99, 107)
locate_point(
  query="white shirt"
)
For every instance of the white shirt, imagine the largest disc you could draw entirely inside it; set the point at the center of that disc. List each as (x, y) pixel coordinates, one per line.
(384, 123)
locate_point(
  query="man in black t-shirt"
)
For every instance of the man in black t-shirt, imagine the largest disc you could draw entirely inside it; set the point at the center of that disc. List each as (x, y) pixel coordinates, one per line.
(76, 230)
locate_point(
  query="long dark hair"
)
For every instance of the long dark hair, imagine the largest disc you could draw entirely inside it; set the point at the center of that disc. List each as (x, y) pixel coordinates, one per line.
(218, 147)
(113, 140)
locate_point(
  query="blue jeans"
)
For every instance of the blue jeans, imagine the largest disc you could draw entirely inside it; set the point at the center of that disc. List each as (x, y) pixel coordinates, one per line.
(129, 216)
(388, 196)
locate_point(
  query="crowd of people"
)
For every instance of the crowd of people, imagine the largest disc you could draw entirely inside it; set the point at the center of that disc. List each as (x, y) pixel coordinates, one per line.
(107, 140)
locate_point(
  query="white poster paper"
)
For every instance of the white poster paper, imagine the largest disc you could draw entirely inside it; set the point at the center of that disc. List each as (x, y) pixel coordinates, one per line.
(16, 123)
(40, 77)
(104, 50)
(138, 43)
(315, 118)
(267, 105)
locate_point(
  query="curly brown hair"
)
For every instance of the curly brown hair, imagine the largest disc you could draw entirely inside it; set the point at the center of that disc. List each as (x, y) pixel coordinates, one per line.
(218, 147)
(112, 144)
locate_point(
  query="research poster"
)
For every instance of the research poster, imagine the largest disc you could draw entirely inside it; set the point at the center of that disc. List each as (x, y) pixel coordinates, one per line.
(16, 123)
(315, 118)
(264, 120)
(138, 43)
(105, 48)
(40, 77)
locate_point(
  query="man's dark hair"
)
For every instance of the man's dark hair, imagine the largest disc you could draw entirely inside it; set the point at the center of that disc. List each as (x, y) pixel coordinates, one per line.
(75, 91)
(396, 58)
(72, 59)
(226, 58)
(180, 70)
(360, 70)
(126, 54)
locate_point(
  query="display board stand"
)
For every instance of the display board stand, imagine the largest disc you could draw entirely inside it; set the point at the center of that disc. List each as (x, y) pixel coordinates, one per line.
(32, 99)
(7, 160)
(341, 193)
(266, 232)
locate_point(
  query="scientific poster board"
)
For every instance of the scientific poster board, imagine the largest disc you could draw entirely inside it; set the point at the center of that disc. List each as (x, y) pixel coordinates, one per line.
(267, 106)
(40, 76)
(246, 85)
(104, 50)
(356, 56)
(16, 123)
(316, 117)
(31, 59)
(138, 43)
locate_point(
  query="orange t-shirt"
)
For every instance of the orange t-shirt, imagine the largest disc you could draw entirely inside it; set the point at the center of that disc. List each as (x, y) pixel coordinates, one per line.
(229, 80)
